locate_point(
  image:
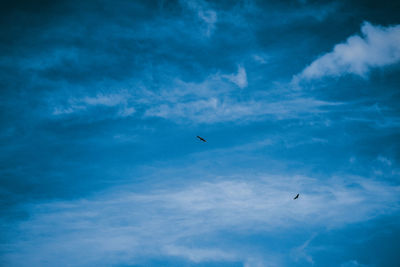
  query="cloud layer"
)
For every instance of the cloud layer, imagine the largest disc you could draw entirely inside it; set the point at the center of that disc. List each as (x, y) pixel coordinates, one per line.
(213, 100)
(121, 227)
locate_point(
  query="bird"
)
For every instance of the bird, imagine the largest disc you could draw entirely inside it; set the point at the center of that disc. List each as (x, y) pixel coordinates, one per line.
(296, 197)
(202, 139)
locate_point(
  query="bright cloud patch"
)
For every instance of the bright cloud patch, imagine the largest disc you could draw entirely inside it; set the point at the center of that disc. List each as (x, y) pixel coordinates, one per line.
(120, 227)
(377, 47)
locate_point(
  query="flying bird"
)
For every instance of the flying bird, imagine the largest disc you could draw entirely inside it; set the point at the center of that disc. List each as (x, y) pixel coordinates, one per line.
(296, 197)
(202, 139)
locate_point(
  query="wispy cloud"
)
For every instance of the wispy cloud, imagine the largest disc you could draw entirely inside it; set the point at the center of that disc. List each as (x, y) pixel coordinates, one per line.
(125, 225)
(377, 47)
(215, 110)
(384, 160)
(206, 15)
(199, 255)
(261, 59)
(352, 263)
(76, 105)
(240, 79)
(301, 253)
(215, 99)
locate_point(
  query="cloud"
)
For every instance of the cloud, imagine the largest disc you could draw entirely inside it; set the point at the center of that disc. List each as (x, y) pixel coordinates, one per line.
(377, 47)
(216, 99)
(384, 160)
(121, 226)
(240, 79)
(213, 100)
(104, 100)
(76, 105)
(213, 110)
(199, 255)
(352, 263)
(261, 59)
(301, 253)
(206, 15)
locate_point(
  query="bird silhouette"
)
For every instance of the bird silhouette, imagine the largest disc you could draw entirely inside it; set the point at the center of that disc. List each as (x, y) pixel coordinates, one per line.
(296, 197)
(202, 139)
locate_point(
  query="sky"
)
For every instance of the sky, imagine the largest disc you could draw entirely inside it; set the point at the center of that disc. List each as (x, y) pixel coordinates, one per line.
(101, 103)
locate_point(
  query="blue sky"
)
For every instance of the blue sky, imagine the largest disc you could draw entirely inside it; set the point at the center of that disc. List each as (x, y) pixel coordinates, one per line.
(101, 103)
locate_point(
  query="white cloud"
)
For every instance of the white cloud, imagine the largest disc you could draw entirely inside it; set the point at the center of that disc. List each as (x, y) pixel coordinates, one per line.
(260, 58)
(377, 47)
(214, 110)
(59, 110)
(76, 105)
(216, 99)
(126, 111)
(121, 227)
(109, 100)
(240, 79)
